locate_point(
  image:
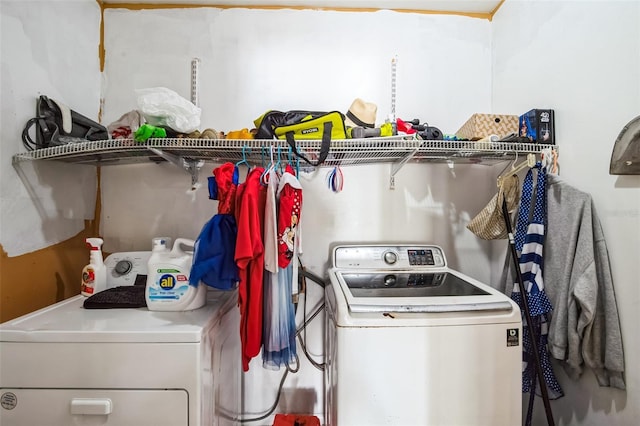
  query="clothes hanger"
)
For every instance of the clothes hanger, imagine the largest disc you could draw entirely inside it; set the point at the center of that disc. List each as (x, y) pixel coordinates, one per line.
(549, 157)
(554, 162)
(294, 162)
(528, 163)
(244, 158)
(278, 166)
(290, 157)
(262, 156)
(264, 177)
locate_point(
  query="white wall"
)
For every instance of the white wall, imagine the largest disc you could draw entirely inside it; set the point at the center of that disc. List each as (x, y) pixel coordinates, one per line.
(582, 58)
(255, 60)
(48, 48)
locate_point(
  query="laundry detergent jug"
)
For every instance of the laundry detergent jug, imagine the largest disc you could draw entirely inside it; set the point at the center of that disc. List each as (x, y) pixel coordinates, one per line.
(168, 286)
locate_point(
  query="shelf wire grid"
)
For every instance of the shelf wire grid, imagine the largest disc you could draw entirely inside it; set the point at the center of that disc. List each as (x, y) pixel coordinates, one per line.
(260, 151)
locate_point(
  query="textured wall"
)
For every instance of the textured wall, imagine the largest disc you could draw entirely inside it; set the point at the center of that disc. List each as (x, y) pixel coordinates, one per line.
(255, 60)
(583, 60)
(46, 209)
(48, 48)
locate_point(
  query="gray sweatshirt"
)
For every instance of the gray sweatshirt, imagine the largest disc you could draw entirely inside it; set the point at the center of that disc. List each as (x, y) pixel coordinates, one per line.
(584, 329)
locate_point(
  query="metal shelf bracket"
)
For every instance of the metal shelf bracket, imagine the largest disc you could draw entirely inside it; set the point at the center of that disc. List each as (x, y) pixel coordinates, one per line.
(190, 166)
(397, 165)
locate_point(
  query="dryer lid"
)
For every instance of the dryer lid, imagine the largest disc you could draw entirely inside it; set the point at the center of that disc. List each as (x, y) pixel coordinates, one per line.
(68, 321)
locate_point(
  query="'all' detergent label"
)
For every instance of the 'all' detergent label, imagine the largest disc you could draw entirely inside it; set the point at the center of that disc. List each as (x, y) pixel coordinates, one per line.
(169, 285)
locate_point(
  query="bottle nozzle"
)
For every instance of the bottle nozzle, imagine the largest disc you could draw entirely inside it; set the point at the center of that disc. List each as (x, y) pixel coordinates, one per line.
(160, 243)
(94, 243)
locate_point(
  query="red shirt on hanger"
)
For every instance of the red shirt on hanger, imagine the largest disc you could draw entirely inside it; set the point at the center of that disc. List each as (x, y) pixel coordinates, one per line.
(249, 256)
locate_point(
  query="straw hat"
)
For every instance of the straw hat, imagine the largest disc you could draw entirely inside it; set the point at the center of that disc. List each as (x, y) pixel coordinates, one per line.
(362, 114)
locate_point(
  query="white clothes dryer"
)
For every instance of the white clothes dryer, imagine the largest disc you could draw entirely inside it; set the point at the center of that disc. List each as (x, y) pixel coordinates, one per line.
(410, 341)
(65, 365)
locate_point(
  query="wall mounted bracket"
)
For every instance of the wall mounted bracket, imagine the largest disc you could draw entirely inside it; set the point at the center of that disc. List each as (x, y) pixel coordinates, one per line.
(397, 165)
(189, 165)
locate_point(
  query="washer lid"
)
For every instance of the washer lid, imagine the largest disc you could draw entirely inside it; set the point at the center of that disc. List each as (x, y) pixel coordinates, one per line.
(68, 321)
(417, 291)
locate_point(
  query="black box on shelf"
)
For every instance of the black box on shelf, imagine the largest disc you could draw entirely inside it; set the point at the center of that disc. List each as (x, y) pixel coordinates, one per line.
(538, 126)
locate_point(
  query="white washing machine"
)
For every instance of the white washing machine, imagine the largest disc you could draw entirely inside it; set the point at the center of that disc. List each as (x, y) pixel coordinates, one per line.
(410, 341)
(66, 365)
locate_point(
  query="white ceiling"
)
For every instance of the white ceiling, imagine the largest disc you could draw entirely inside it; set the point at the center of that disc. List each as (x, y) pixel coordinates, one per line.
(465, 6)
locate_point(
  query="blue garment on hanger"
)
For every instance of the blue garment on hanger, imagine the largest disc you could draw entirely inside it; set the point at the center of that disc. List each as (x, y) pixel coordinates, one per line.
(213, 259)
(529, 240)
(279, 332)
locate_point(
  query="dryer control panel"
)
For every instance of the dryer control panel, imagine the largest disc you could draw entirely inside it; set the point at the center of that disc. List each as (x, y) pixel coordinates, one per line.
(382, 256)
(123, 268)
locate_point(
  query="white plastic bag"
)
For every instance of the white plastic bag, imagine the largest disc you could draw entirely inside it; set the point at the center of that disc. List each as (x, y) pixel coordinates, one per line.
(164, 107)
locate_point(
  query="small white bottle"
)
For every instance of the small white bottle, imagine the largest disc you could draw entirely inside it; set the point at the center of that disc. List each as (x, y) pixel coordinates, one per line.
(94, 275)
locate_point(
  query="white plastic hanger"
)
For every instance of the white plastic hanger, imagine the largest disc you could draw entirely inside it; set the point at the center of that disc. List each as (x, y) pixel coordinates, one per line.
(528, 163)
(549, 158)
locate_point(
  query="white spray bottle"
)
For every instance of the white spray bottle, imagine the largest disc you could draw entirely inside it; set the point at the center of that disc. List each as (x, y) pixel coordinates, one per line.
(94, 275)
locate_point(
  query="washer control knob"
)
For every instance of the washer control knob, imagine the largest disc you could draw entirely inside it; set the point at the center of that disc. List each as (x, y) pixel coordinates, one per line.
(390, 257)
(390, 280)
(123, 267)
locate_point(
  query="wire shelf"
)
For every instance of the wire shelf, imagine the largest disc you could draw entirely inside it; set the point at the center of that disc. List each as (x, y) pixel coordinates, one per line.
(258, 151)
